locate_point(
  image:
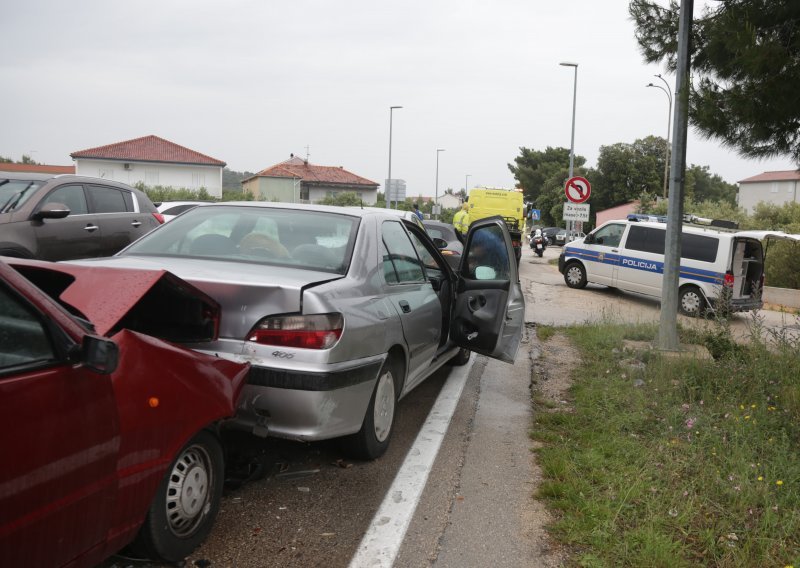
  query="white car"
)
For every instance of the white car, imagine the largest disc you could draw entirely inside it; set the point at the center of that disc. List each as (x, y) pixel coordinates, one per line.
(171, 209)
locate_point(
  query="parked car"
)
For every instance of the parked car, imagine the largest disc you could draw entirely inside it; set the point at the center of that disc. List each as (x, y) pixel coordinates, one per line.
(340, 310)
(110, 431)
(550, 234)
(451, 248)
(171, 209)
(63, 217)
(563, 236)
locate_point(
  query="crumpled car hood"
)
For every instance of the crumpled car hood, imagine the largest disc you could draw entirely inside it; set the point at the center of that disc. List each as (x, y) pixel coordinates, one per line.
(113, 298)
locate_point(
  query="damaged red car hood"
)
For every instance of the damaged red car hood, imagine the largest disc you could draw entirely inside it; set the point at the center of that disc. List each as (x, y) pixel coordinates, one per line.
(105, 296)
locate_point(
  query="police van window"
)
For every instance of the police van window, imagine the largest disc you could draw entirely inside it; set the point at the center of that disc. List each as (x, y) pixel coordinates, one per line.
(610, 235)
(699, 247)
(646, 239)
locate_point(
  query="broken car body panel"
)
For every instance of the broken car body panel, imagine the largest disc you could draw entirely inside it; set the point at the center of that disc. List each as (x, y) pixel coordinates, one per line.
(88, 445)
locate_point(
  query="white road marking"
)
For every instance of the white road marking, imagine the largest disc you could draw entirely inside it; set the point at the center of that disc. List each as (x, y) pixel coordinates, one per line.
(382, 541)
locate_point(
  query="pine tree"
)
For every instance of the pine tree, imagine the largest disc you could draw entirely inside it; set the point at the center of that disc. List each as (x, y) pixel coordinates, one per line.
(745, 66)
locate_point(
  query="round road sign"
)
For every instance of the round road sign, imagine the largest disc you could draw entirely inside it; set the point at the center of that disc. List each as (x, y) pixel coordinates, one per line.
(578, 189)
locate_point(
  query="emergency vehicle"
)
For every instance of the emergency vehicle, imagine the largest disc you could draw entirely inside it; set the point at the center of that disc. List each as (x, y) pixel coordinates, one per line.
(717, 264)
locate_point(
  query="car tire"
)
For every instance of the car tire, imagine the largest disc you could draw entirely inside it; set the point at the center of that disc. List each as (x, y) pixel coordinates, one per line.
(575, 275)
(691, 302)
(461, 358)
(371, 441)
(186, 503)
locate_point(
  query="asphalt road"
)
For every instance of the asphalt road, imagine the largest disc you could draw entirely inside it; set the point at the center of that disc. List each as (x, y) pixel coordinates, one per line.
(313, 506)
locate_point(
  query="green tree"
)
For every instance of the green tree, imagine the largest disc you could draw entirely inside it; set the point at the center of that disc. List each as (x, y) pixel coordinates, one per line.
(344, 199)
(745, 63)
(4, 160)
(533, 168)
(627, 171)
(232, 180)
(702, 185)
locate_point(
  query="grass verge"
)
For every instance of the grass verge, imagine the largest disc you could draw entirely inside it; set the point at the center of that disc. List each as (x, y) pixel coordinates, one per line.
(675, 462)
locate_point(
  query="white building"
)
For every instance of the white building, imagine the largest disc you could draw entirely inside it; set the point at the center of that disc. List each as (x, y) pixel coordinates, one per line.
(770, 187)
(449, 201)
(153, 161)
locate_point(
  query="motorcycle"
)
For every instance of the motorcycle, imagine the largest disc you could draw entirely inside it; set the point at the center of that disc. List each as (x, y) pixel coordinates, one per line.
(538, 244)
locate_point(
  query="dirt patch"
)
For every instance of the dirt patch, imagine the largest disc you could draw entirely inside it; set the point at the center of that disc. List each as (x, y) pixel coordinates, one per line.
(552, 372)
(552, 366)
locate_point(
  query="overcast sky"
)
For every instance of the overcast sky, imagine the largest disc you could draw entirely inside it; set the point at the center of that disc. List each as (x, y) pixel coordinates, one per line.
(249, 82)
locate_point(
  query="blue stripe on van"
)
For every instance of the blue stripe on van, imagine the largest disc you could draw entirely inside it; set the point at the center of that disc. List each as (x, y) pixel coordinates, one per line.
(689, 273)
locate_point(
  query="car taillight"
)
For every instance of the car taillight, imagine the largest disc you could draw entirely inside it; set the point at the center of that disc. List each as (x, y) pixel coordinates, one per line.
(516, 243)
(159, 217)
(728, 282)
(319, 331)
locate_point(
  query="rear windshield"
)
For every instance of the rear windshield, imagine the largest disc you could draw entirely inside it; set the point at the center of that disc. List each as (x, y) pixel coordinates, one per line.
(15, 192)
(299, 238)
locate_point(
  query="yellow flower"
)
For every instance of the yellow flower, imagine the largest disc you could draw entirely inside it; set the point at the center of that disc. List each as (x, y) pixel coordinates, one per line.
(761, 478)
(741, 407)
(747, 417)
(752, 406)
(779, 482)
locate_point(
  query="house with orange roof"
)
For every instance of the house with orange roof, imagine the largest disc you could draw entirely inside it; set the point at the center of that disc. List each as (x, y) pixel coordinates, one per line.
(36, 168)
(152, 161)
(298, 181)
(770, 187)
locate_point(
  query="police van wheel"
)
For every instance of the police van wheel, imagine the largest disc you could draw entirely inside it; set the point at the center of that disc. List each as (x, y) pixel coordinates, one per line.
(575, 275)
(691, 302)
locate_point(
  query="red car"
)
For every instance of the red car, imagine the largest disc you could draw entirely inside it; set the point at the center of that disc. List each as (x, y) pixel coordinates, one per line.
(110, 431)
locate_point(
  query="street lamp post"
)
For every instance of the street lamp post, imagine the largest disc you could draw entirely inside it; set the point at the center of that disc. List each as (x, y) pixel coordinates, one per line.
(574, 100)
(466, 184)
(668, 92)
(572, 139)
(436, 198)
(389, 179)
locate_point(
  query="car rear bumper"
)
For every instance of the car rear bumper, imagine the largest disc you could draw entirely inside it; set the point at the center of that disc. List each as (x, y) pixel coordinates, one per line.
(316, 403)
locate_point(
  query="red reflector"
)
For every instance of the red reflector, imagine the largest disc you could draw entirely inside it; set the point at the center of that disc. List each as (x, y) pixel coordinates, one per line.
(728, 283)
(320, 331)
(159, 217)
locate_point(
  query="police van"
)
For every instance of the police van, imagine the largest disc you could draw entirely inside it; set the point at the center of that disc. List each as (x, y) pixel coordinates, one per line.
(715, 263)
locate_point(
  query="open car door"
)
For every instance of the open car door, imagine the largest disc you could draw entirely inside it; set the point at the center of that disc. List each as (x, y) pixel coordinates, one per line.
(490, 307)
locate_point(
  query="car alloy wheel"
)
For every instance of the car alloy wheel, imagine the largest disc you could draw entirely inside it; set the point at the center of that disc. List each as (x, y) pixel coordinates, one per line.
(383, 411)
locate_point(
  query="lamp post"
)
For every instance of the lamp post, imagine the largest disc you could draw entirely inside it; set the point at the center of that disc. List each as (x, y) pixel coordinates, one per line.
(466, 184)
(572, 139)
(436, 198)
(667, 92)
(574, 100)
(389, 179)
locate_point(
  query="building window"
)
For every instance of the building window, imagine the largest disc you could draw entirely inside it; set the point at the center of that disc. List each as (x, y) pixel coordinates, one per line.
(198, 180)
(774, 187)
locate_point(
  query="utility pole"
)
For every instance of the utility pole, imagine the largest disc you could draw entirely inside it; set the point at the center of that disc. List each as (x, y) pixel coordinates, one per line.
(668, 329)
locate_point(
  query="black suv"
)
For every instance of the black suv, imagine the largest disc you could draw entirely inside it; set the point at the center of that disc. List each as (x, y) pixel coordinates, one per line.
(64, 217)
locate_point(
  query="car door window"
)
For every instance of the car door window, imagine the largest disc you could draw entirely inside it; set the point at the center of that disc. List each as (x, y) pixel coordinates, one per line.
(400, 254)
(610, 235)
(70, 195)
(24, 341)
(488, 256)
(107, 200)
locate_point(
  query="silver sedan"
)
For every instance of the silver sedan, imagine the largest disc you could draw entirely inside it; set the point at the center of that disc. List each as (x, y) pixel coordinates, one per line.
(340, 311)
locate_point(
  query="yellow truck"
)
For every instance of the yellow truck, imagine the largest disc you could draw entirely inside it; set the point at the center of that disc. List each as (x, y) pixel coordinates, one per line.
(507, 203)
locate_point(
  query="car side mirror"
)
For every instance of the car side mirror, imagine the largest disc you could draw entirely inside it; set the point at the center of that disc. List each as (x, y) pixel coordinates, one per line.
(589, 239)
(440, 243)
(52, 211)
(101, 355)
